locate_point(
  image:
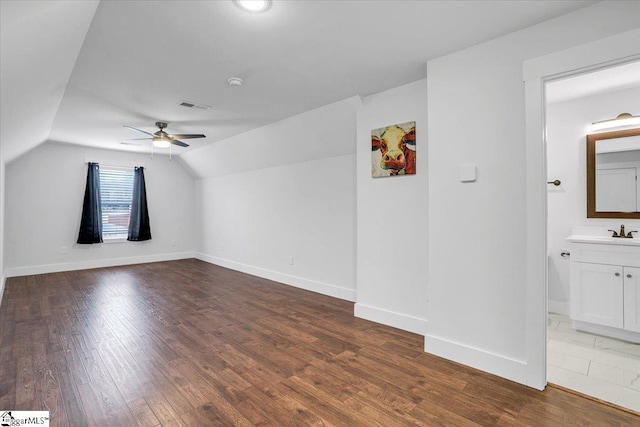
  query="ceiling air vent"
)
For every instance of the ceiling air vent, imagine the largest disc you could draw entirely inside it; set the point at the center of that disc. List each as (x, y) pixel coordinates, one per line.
(194, 105)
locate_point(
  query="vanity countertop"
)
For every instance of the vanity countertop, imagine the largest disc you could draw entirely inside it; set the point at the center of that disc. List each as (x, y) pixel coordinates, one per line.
(603, 240)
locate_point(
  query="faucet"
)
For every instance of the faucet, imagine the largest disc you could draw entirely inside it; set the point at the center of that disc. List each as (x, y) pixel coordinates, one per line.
(622, 233)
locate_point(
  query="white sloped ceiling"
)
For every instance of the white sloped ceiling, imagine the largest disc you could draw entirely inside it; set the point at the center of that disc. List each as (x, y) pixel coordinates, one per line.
(77, 71)
(39, 43)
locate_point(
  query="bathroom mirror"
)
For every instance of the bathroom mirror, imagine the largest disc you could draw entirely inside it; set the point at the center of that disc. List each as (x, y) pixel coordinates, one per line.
(613, 165)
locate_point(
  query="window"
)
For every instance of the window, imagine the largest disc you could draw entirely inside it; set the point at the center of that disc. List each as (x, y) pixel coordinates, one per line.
(116, 190)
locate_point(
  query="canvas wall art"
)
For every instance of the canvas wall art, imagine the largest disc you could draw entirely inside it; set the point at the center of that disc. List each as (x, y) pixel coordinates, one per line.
(393, 150)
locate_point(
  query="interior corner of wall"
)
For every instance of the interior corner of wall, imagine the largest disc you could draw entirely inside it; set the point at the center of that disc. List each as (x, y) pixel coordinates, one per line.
(390, 318)
(188, 168)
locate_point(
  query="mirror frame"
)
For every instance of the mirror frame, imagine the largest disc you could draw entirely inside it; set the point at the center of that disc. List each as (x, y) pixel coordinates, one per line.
(591, 173)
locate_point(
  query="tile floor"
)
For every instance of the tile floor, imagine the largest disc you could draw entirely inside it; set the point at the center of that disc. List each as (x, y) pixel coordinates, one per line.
(602, 367)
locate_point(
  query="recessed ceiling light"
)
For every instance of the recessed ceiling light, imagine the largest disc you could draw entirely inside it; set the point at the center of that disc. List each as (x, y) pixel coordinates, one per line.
(253, 5)
(235, 81)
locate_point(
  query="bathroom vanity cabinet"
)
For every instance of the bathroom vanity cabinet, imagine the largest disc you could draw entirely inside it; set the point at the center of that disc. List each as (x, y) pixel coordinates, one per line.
(605, 286)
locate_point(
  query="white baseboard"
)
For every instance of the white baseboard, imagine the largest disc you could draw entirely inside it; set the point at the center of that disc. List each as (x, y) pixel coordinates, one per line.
(607, 331)
(505, 367)
(97, 263)
(559, 307)
(287, 279)
(391, 318)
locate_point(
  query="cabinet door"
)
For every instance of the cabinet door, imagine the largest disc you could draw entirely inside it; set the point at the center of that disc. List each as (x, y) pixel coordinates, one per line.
(632, 299)
(597, 294)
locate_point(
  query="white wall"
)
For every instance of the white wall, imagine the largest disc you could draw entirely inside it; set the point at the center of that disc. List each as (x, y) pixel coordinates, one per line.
(568, 123)
(2, 196)
(477, 306)
(295, 174)
(280, 191)
(44, 195)
(392, 217)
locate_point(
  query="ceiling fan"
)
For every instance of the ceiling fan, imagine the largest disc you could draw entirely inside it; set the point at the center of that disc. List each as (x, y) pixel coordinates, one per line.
(162, 139)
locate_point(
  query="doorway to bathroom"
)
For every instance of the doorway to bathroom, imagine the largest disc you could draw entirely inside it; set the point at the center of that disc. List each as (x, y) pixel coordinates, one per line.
(595, 364)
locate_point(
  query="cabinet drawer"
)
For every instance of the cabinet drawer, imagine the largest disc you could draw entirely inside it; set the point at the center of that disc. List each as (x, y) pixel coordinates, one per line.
(606, 254)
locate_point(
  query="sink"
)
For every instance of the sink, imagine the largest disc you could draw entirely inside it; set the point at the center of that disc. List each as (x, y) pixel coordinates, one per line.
(606, 240)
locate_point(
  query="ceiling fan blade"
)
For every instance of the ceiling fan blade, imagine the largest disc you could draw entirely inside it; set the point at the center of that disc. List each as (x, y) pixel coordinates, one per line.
(130, 143)
(179, 143)
(139, 130)
(187, 135)
(137, 139)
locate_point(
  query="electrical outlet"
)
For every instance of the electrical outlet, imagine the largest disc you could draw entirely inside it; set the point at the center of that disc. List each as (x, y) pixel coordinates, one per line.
(64, 250)
(291, 260)
(173, 242)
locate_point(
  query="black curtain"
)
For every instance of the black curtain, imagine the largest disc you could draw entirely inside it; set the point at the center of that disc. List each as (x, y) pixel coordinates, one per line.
(139, 228)
(91, 222)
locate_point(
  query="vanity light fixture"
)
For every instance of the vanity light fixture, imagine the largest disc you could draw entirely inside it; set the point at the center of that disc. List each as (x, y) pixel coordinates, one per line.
(253, 5)
(624, 119)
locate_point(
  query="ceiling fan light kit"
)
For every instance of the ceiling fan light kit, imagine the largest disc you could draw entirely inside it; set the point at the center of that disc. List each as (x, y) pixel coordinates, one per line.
(161, 143)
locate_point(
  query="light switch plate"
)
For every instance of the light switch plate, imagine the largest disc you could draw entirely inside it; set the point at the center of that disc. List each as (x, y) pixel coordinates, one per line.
(468, 172)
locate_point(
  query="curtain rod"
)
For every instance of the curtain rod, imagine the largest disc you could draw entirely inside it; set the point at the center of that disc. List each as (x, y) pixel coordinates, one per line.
(115, 163)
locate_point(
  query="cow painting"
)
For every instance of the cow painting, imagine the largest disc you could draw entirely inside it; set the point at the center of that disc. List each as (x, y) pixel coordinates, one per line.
(393, 150)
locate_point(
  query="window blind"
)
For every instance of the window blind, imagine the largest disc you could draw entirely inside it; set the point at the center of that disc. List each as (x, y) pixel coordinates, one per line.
(116, 189)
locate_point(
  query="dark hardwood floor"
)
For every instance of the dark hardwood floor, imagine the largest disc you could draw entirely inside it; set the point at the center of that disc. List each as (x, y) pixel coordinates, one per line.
(186, 343)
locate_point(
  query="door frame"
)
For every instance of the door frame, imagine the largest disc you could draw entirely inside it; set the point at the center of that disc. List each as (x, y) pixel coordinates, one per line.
(600, 54)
